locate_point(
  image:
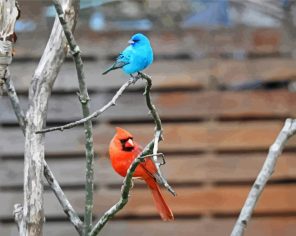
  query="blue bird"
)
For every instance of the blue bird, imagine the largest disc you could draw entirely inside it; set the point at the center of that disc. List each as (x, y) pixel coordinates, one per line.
(134, 58)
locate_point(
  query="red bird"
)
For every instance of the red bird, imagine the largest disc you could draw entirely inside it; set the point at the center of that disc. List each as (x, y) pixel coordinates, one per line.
(123, 150)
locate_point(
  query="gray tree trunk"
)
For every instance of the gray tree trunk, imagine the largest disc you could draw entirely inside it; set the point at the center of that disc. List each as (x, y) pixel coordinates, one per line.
(39, 93)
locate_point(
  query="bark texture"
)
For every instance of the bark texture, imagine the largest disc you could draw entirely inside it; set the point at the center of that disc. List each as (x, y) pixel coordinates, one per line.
(39, 93)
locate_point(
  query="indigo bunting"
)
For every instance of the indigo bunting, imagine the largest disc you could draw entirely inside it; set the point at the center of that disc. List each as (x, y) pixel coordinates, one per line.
(134, 58)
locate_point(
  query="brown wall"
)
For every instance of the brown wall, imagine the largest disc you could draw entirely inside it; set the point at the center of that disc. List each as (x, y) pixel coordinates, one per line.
(216, 134)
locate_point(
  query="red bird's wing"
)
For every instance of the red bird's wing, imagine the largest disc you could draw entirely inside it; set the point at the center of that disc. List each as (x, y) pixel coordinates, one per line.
(146, 168)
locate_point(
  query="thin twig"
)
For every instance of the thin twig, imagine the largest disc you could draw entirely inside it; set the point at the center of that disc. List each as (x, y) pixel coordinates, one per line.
(275, 150)
(84, 100)
(10, 89)
(67, 207)
(150, 106)
(158, 132)
(152, 155)
(53, 183)
(95, 114)
(18, 208)
(127, 185)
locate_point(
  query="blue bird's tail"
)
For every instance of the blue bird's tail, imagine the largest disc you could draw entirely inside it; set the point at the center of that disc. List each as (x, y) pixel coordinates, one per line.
(108, 70)
(118, 64)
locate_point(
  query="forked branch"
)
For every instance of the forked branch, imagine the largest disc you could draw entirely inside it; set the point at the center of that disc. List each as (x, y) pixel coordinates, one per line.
(53, 183)
(67, 207)
(84, 100)
(97, 113)
(55, 43)
(150, 150)
(158, 131)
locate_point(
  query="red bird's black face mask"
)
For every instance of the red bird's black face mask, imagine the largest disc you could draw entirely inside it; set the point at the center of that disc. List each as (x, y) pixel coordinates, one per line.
(127, 144)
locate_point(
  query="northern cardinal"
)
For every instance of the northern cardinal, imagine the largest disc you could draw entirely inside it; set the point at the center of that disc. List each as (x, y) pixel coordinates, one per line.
(123, 150)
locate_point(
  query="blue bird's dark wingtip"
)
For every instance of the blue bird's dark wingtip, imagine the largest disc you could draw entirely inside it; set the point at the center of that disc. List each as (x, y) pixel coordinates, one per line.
(105, 72)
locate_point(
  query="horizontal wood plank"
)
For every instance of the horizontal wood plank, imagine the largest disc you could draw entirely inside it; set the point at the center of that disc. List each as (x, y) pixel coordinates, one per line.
(275, 199)
(181, 170)
(178, 74)
(171, 106)
(12, 142)
(11, 172)
(194, 42)
(165, 75)
(190, 42)
(266, 226)
(202, 136)
(232, 72)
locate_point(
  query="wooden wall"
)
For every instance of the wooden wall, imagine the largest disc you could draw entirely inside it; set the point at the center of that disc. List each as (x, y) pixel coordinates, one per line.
(223, 97)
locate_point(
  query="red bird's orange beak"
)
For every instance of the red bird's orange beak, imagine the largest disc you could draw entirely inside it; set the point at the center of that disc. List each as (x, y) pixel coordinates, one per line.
(129, 143)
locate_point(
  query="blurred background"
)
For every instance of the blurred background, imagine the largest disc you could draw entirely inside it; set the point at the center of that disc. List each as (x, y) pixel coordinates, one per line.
(223, 82)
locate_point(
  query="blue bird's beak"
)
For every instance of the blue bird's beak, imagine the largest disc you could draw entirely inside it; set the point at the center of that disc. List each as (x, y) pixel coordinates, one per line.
(131, 42)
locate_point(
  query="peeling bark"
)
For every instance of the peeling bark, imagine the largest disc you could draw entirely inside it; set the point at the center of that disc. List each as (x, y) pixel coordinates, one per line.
(39, 93)
(8, 16)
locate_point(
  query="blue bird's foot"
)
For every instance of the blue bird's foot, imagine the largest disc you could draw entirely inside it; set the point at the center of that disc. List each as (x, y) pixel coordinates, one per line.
(140, 75)
(134, 78)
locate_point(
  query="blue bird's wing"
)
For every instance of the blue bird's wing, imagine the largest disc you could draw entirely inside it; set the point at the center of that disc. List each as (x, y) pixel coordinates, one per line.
(121, 61)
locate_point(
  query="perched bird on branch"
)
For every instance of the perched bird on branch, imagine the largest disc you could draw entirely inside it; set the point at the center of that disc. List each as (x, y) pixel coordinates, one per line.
(123, 150)
(136, 57)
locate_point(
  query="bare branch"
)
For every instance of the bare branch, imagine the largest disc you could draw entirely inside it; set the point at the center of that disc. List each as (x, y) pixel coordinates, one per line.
(40, 90)
(158, 132)
(73, 216)
(47, 172)
(67, 207)
(15, 101)
(275, 150)
(127, 185)
(150, 151)
(9, 13)
(111, 103)
(150, 106)
(84, 100)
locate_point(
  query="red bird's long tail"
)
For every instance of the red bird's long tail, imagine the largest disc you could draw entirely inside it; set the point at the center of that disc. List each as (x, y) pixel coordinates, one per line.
(163, 209)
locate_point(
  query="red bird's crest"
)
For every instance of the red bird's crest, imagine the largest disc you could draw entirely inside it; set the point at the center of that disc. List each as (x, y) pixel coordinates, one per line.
(122, 133)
